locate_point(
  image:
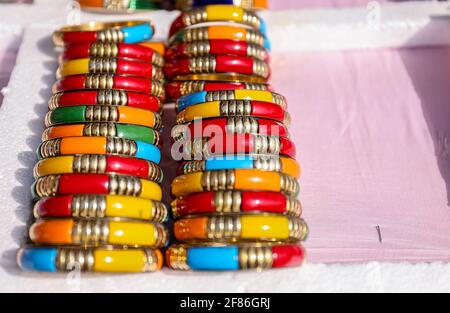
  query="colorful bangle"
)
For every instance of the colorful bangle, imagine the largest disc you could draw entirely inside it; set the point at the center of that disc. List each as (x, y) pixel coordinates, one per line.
(273, 228)
(98, 164)
(216, 47)
(109, 97)
(230, 180)
(109, 66)
(99, 145)
(186, 5)
(234, 257)
(218, 13)
(130, 132)
(223, 77)
(100, 206)
(113, 50)
(283, 165)
(241, 108)
(222, 95)
(236, 202)
(98, 232)
(113, 32)
(98, 113)
(102, 260)
(236, 144)
(229, 32)
(96, 184)
(120, 5)
(108, 81)
(177, 89)
(229, 125)
(217, 64)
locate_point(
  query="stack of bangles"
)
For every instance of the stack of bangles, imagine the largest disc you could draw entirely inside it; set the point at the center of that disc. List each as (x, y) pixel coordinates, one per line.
(236, 191)
(98, 199)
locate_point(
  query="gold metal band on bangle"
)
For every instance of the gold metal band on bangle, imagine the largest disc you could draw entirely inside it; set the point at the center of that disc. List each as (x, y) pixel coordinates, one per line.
(228, 77)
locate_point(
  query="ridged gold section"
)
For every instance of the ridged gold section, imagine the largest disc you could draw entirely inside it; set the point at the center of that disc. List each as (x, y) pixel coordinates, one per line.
(195, 16)
(48, 119)
(157, 73)
(116, 4)
(219, 95)
(100, 129)
(265, 163)
(101, 113)
(289, 184)
(267, 144)
(161, 235)
(191, 86)
(50, 148)
(254, 86)
(160, 212)
(88, 206)
(255, 37)
(151, 261)
(242, 125)
(102, 66)
(196, 34)
(194, 166)
(121, 146)
(158, 122)
(198, 48)
(112, 97)
(224, 227)
(158, 59)
(157, 138)
(47, 186)
(90, 232)
(257, 52)
(157, 89)
(155, 173)
(202, 64)
(235, 107)
(228, 201)
(177, 258)
(298, 229)
(53, 103)
(113, 35)
(293, 206)
(99, 81)
(89, 163)
(104, 50)
(218, 180)
(287, 119)
(261, 68)
(279, 99)
(69, 259)
(258, 258)
(251, 19)
(124, 185)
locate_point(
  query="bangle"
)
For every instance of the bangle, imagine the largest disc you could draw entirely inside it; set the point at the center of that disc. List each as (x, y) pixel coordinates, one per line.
(230, 144)
(98, 164)
(98, 232)
(216, 47)
(96, 184)
(274, 228)
(105, 97)
(109, 66)
(283, 165)
(230, 32)
(234, 257)
(229, 125)
(211, 96)
(120, 5)
(113, 50)
(113, 32)
(177, 89)
(99, 145)
(229, 180)
(236, 202)
(240, 108)
(107, 81)
(217, 64)
(100, 206)
(186, 5)
(217, 13)
(130, 132)
(103, 260)
(223, 77)
(99, 113)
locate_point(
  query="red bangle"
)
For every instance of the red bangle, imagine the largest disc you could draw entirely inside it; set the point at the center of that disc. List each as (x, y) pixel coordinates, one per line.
(236, 202)
(216, 47)
(238, 144)
(105, 97)
(230, 125)
(177, 89)
(217, 64)
(107, 81)
(112, 50)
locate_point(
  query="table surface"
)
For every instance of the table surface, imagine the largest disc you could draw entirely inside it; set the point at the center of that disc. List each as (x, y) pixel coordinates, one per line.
(372, 132)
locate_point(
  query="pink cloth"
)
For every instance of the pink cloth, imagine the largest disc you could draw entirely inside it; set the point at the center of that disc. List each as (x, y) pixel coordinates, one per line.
(372, 131)
(7, 61)
(300, 4)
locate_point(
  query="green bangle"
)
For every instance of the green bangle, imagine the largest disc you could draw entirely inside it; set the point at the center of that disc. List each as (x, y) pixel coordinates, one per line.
(121, 5)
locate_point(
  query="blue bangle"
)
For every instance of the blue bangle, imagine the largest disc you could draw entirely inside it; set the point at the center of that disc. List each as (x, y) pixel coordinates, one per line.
(148, 152)
(38, 260)
(138, 33)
